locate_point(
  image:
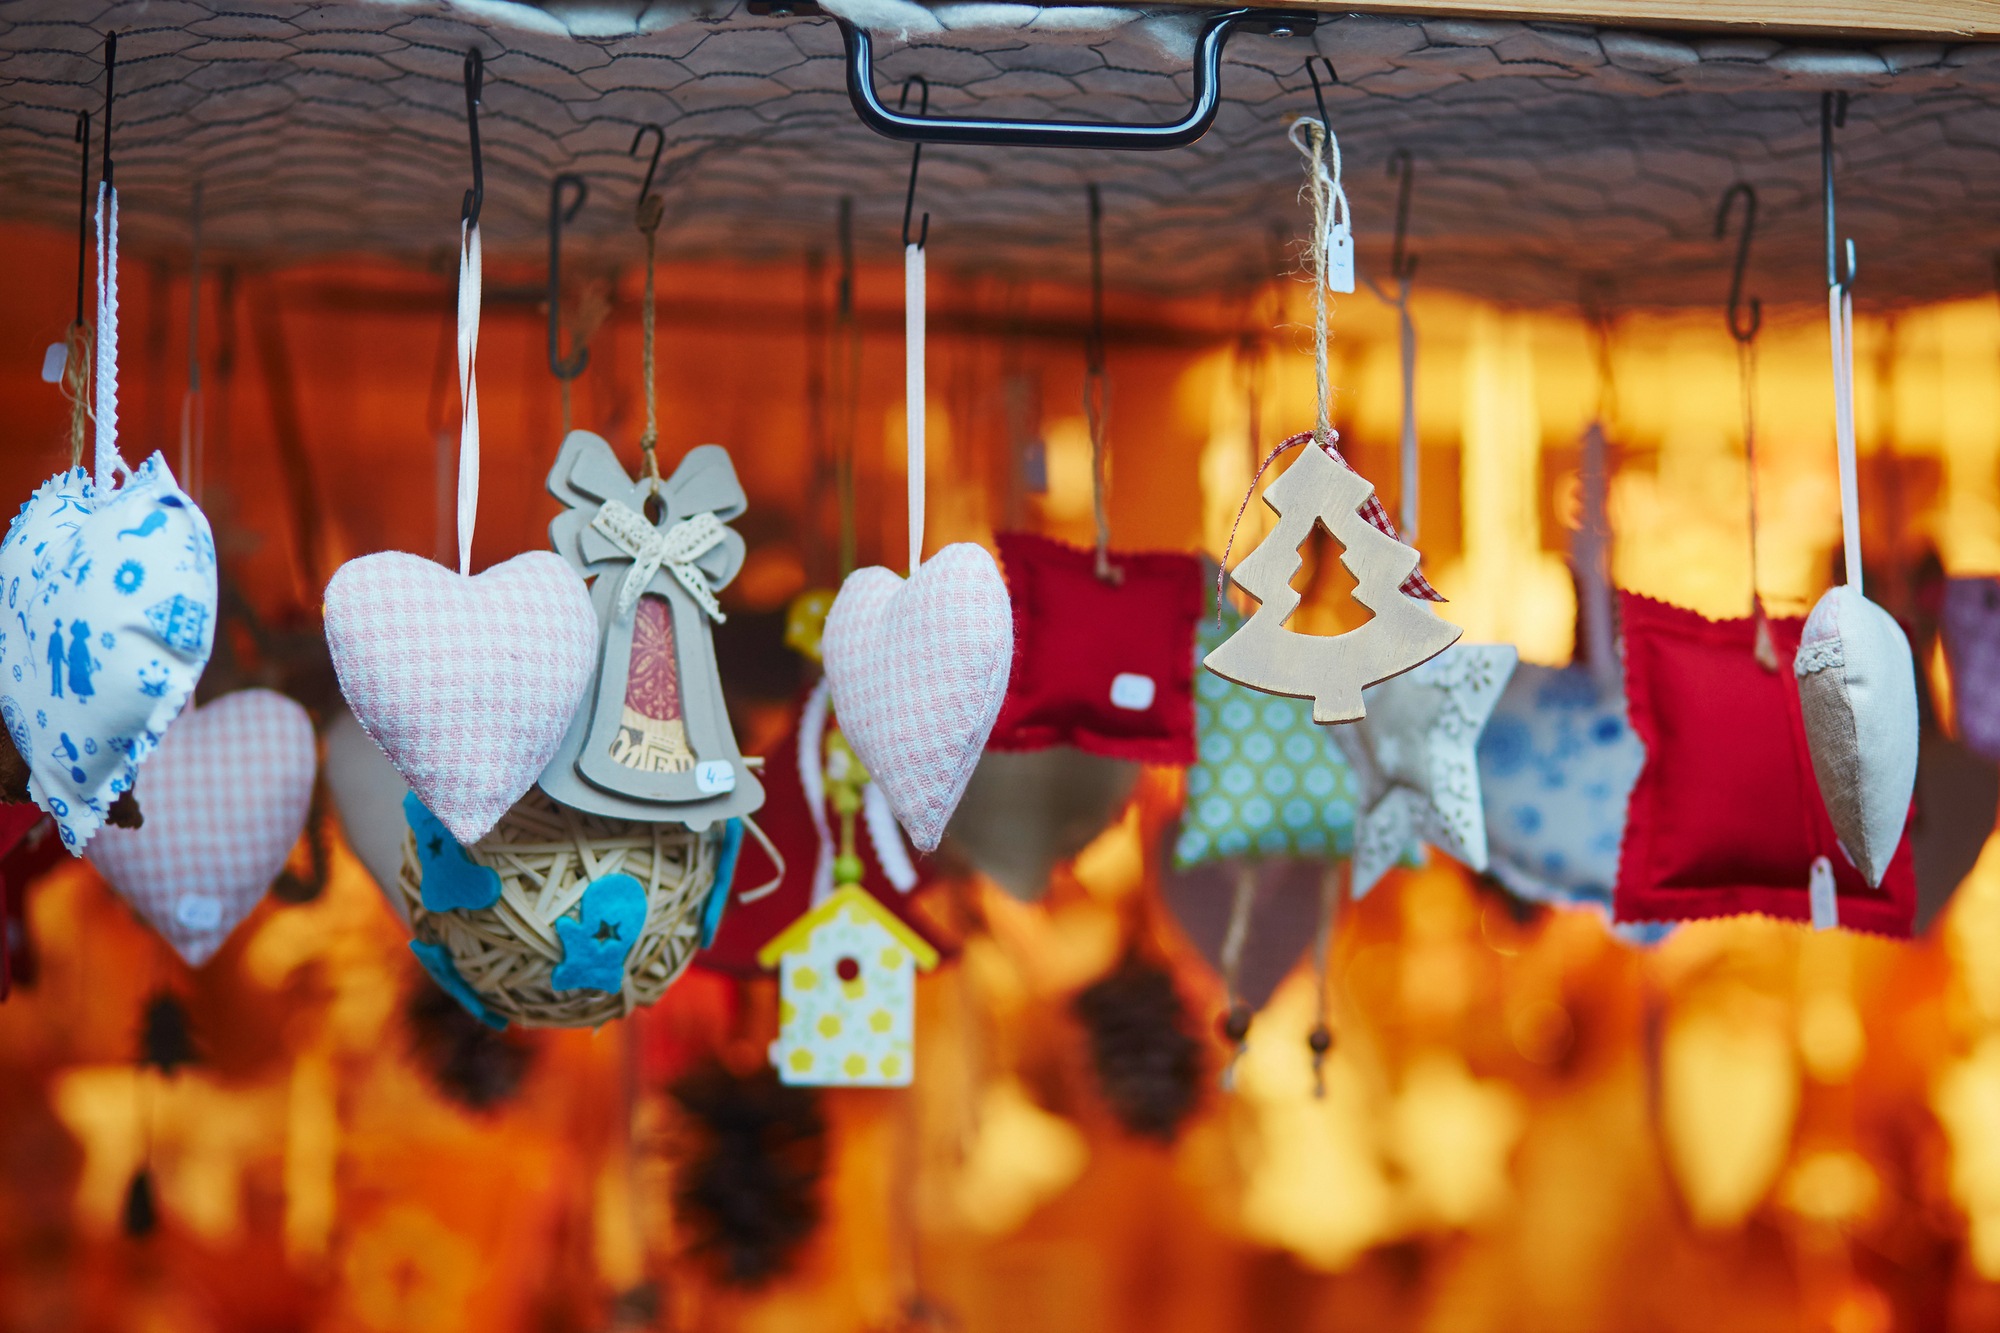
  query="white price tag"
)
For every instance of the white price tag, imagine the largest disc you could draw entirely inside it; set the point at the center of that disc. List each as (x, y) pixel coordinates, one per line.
(1825, 906)
(54, 362)
(1339, 256)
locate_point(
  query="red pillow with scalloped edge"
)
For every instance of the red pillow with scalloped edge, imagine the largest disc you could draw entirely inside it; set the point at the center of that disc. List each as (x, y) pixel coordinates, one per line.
(1726, 817)
(1106, 667)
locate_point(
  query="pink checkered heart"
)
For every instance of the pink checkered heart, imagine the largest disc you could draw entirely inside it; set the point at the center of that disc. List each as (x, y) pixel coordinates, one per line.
(918, 670)
(225, 797)
(467, 683)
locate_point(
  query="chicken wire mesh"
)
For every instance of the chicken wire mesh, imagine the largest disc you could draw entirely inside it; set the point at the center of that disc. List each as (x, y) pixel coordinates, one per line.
(1547, 155)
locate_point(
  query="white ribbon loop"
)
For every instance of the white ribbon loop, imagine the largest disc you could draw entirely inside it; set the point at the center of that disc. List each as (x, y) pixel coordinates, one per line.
(651, 550)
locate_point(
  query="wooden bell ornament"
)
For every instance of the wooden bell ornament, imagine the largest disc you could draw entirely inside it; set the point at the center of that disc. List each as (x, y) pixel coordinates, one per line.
(652, 741)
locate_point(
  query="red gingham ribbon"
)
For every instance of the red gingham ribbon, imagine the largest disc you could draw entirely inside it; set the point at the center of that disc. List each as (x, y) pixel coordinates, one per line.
(1416, 585)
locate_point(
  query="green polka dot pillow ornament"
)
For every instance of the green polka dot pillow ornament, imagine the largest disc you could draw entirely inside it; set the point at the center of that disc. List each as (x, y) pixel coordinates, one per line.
(1267, 780)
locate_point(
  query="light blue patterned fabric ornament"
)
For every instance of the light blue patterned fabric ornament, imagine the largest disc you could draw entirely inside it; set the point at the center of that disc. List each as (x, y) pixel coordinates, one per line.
(110, 603)
(1267, 779)
(1556, 766)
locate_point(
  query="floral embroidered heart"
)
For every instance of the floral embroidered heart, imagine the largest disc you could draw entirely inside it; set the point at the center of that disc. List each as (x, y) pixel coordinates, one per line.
(467, 684)
(918, 671)
(225, 799)
(109, 617)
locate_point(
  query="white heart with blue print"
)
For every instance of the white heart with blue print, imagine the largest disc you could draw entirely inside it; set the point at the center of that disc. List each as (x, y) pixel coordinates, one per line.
(109, 615)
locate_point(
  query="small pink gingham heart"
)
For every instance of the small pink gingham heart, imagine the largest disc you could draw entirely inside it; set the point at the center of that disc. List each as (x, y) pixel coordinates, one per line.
(918, 669)
(225, 797)
(467, 683)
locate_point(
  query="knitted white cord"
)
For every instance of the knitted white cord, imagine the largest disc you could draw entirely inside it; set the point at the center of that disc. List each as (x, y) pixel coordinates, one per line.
(108, 463)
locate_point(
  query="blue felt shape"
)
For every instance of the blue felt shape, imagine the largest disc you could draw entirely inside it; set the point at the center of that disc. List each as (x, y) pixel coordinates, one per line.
(613, 912)
(438, 963)
(725, 880)
(451, 878)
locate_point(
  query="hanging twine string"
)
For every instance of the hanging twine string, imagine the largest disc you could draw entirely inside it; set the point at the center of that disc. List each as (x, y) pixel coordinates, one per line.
(1321, 1039)
(108, 463)
(1317, 145)
(77, 354)
(1096, 394)
(1236, 1024)
(651, 209)
(846, 392)
(1407, 345)
(1766, 649)
(468, 389)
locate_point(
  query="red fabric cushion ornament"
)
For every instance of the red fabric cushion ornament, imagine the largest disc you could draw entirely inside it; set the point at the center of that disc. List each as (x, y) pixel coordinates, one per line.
(787, 821)
(1105, 666)
(1726, 816)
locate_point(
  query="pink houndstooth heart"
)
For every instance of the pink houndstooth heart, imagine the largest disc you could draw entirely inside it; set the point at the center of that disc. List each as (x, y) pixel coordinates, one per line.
(467, 684)
(225, 797)
(918, 670)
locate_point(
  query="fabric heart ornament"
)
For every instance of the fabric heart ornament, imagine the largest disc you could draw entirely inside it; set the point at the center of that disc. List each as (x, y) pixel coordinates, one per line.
(466, 682)
(1026, 812)
(368, 792)
(1858, 695)
(919, 668)
(226, 797)
(110, 614)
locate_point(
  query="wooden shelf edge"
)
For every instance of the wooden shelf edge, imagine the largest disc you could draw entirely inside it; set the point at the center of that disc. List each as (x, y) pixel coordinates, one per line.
(1899, 20)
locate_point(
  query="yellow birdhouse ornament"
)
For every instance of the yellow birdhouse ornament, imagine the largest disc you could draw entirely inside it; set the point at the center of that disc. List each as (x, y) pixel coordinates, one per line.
(847, 994)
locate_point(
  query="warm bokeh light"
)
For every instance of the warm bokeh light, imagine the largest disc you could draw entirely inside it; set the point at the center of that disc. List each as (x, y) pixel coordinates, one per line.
(1525, 1121)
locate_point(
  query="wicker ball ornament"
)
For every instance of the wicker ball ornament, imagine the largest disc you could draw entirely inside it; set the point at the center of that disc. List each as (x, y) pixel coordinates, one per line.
(546, 855)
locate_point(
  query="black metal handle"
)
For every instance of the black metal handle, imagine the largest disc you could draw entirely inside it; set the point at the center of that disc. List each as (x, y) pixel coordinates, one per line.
(1065, 133)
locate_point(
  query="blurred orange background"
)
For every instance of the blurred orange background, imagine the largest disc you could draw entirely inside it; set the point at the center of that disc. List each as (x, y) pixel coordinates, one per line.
(1526, 1123)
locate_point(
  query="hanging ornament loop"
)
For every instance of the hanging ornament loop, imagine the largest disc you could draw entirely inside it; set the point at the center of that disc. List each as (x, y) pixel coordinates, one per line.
(1329, 204)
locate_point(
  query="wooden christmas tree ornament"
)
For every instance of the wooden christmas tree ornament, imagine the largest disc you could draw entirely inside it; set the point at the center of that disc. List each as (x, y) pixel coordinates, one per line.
(1331, 670)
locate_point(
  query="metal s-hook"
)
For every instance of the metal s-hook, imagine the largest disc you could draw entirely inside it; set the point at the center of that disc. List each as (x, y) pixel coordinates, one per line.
(650, 206)
(475, 87)
(580, 357)
(82, 209)
(1739, 330)
(110, 69)
(1319, 97)
(1402, 264)
(916, 157)
(1832, 116)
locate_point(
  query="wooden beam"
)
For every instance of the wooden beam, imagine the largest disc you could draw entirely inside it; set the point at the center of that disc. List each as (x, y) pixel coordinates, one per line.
(1905, 20)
